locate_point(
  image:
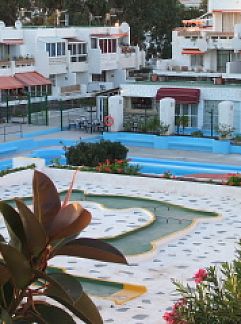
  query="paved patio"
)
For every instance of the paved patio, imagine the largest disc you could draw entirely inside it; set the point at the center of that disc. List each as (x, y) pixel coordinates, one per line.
(207, 242)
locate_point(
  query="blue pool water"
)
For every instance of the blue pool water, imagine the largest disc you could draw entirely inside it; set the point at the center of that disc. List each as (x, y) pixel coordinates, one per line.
(180, 168)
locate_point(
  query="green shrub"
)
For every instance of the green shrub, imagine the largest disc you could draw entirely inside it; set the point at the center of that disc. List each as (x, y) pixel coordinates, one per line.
(8, 171)
(215, 299)
(91, 154)
(234, 180)
(197, 134)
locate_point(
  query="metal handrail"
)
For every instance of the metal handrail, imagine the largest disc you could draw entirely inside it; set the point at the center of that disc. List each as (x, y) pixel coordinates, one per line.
(4, 131)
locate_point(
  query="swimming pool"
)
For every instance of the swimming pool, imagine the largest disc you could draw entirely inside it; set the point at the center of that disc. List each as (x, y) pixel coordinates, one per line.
(52, 149)
(181, 168)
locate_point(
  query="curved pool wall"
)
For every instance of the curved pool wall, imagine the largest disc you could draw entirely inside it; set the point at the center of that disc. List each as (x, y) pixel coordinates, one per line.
(39, 149)
(174, 142)
(180, 168)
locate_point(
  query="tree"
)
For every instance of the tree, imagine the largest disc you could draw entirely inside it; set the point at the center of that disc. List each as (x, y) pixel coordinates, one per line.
(9, 10)
(204, 6)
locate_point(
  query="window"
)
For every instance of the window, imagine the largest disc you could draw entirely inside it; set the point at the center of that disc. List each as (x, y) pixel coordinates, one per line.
(196, 60)
(78, 52)
(99, 77)
(141, 103)
(223, 57)
(52, 78)
(59, 49)
(93, 42)
(210, 112)
(55, 49)
(188, 110)
(107, 45)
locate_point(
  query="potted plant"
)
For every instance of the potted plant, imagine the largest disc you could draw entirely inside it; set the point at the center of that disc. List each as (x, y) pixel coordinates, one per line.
(225, 131)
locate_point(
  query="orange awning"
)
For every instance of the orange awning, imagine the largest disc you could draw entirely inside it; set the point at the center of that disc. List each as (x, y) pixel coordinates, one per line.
(192, 51)
(110, 35)
(32, 79)
(9, 83)
(227, 10)
(11, 41)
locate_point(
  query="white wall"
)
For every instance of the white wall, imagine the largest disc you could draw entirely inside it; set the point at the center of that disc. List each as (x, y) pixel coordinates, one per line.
(224, 5)
(115, 104)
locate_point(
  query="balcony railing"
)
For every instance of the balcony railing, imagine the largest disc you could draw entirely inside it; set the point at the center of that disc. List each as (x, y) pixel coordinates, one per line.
(24, 61)
(4, 64)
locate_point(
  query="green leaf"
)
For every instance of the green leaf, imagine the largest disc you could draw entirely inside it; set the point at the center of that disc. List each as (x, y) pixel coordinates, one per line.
(68, 291)
(4, 274)
(45, 199)
(34, 232)
(5, 317)
(70, 220)
(52, 314)
(6, 294)
(17, 265)
(71, 287)
(91, 249)
(14, 225)
(2, 238)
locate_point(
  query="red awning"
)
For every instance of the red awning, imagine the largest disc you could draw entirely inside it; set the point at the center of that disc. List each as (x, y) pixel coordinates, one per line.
(74, 40)
(11, 41)
(191, 51)
(32, 79)
(9, 83)
(109, 35)
(181, 95)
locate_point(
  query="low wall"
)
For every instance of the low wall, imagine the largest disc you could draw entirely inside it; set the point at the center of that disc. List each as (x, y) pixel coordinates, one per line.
(174, 142)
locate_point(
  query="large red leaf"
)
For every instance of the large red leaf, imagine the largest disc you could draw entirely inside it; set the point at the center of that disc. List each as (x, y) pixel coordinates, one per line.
(68, 194)
(45, 198)
(34, 232)
(91, 249)
(70, 220)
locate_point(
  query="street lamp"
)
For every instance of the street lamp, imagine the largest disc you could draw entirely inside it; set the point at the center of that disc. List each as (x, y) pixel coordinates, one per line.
(211, 121)
(144, 106)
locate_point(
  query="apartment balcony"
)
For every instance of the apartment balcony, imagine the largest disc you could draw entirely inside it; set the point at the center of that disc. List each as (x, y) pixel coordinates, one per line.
(220, 43)
(97, 86)
(57, 64)
(22, 65)
(5, 67)
(233, 70)
(78, 63)
(236, 43)
(131, 57)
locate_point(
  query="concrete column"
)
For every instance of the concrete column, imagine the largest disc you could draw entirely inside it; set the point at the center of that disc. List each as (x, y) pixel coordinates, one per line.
(226, 113)
(167, 114)
(115, 104)
(226, 119)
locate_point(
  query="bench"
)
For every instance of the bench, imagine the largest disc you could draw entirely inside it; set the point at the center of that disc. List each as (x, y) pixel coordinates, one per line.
(190, 146)
(9, 149)
(136, 141)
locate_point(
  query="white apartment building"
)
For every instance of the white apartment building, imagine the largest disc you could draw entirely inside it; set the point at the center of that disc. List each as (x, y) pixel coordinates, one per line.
(204, 70)
(65, 62)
